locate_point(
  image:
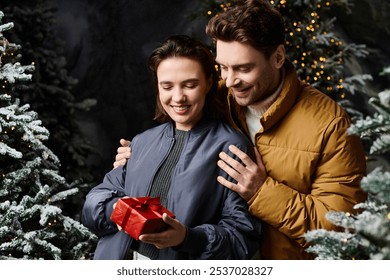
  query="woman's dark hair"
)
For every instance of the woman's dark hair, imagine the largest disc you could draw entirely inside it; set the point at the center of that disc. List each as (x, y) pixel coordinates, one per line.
(185, 46)
(253, 22)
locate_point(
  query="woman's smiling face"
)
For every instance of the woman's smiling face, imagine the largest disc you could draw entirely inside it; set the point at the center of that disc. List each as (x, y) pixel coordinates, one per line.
(182, 88)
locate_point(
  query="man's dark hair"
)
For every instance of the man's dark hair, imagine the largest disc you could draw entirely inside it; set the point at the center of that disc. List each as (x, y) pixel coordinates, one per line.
(253, 22)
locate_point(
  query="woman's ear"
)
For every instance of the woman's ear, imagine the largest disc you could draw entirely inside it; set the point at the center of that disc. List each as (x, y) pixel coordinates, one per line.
(279, 56)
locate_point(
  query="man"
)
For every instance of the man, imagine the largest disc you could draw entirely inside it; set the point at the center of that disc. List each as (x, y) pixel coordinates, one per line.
(306, 163)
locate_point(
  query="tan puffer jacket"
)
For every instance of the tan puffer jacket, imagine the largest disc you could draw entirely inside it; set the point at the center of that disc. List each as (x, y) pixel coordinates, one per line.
(313, 166)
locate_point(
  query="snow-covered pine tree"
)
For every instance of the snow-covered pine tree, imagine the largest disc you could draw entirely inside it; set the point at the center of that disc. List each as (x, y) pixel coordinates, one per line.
(366, 235)
(32, 225)
(50, 92)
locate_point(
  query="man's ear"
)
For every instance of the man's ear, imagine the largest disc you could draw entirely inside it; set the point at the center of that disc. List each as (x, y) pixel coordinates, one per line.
(279, 56)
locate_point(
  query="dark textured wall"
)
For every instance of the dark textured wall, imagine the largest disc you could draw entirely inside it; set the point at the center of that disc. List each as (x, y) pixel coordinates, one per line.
(368, 24)
(107, 44)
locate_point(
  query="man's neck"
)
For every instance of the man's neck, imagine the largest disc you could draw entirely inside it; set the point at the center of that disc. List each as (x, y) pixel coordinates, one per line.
(260, 107)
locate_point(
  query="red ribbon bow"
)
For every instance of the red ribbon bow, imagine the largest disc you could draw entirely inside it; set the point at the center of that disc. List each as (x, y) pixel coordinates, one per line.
(143, 203)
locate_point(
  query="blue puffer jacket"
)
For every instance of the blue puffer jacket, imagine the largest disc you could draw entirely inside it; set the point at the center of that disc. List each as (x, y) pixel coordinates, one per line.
(217, 219)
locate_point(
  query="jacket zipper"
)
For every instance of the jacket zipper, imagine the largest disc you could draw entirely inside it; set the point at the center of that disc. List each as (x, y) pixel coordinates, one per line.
(171, 188)
(158, 167)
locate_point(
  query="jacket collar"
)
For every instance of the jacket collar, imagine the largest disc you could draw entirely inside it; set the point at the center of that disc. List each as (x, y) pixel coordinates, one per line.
(279, 108)
(202, 126)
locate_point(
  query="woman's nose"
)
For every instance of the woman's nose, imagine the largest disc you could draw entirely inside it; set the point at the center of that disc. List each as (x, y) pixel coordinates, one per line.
(178, 95)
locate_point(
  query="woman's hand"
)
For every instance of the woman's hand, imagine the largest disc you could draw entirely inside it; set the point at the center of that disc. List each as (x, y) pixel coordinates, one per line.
(171, 237)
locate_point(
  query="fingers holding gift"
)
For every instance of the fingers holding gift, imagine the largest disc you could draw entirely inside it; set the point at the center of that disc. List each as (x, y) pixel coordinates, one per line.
(171, 237)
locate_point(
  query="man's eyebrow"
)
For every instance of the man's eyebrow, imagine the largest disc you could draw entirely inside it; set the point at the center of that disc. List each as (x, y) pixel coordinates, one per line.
(244, 65)
(235, 66)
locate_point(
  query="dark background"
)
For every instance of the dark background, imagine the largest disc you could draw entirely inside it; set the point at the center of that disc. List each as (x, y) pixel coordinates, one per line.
(107, 43)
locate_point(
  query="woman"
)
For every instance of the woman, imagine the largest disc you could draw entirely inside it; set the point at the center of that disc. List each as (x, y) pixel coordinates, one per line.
(176, 161)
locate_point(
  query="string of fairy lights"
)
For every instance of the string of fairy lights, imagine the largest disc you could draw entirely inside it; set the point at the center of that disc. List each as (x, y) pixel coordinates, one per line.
(314, 59)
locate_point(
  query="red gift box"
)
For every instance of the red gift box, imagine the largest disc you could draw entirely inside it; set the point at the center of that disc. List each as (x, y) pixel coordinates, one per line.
(139, 215)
